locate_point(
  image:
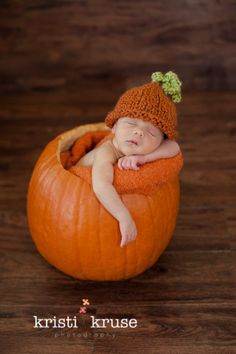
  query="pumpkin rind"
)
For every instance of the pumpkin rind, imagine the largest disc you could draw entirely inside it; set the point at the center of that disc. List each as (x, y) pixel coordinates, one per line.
(74, 232)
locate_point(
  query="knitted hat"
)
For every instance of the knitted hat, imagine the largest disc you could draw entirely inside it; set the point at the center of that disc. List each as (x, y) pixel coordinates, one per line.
(152, 102)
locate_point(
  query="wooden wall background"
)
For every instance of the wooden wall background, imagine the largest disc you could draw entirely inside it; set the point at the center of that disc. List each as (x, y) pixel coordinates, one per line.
(68, 45)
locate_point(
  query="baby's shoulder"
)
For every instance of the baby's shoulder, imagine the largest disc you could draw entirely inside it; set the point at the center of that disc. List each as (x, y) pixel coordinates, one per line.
(106, 152)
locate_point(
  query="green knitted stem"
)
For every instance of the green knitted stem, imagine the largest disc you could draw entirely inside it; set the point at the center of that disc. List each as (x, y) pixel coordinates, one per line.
(170, 83)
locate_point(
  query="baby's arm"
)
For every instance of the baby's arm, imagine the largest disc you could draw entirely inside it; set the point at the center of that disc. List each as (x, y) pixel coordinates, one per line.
(102, 178)
(167, 149)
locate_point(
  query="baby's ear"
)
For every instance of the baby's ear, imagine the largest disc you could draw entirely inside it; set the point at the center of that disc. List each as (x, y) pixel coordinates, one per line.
(113, 129)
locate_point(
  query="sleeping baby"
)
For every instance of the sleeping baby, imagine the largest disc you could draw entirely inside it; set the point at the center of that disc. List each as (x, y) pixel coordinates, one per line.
(140, 136)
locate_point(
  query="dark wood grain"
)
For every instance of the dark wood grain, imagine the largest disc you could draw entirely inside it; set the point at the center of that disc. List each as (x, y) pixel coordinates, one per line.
(61, 45)
(186, 302)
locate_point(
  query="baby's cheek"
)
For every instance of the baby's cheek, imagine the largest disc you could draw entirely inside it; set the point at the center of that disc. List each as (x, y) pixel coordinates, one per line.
(150, 146)
(144, 149)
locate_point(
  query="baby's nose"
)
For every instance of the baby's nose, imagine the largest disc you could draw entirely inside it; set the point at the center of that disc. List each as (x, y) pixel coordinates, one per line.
(138, 131)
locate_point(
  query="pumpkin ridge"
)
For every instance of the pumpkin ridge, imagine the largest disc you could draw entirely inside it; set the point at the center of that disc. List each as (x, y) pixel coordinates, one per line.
(81, 216)
(46, 169)
(125, 249)
(136, 251)
(100, 243)
(74, 218)
(46, 190)
(48, 210)
(36, 201)
(76, 232)
(60, 213)
(169, 202)
(153, 229)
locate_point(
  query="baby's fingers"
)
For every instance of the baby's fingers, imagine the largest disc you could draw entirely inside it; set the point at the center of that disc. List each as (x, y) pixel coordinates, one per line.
(123, 241)
(125, 238)
(125, 164)
(128, 238)
(134, 165)
(120, 164)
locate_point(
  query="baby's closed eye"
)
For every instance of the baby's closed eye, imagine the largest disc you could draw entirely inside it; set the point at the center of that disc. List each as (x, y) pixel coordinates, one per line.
(152, 133)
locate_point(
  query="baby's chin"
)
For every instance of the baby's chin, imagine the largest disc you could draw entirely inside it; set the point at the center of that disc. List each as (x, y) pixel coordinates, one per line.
(132, 150)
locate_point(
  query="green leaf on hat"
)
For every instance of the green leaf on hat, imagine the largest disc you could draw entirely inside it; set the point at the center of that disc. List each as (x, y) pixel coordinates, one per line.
(170, 84)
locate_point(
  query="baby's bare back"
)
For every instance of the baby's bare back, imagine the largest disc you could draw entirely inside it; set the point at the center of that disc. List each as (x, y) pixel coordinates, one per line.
(104, 149)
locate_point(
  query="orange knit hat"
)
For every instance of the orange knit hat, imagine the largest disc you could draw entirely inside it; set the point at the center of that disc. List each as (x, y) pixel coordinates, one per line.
(150, 103)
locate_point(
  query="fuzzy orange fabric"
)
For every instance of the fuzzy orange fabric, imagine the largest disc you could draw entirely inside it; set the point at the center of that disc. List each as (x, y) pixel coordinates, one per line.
(82, 145)
(144, 181)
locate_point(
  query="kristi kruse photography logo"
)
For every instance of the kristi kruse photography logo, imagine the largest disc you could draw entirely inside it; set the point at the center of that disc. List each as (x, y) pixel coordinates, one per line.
(74, 322)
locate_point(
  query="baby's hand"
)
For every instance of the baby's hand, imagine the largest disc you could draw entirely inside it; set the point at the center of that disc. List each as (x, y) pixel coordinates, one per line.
(131, 162)
(128, 230)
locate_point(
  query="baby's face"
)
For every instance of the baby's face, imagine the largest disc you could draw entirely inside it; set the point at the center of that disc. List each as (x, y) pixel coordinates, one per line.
(134, 136)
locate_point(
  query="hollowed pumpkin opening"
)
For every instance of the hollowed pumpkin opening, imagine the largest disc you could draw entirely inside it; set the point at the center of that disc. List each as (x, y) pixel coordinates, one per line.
(81, 146)
(76, 143)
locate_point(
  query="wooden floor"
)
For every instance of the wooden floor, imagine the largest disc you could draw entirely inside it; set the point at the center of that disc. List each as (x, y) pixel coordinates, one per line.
(186, 303)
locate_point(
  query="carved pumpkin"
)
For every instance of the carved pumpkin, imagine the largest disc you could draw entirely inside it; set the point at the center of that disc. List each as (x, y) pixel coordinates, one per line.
(74, 232)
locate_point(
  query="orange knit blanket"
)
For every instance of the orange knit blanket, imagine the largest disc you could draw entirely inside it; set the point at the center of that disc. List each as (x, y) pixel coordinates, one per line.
(145, 180)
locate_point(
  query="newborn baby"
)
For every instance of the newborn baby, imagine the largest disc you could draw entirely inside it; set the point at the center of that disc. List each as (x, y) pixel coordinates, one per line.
(135, 143)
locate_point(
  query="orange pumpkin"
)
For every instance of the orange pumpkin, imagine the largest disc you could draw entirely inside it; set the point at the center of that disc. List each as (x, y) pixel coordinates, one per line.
(74, 232)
